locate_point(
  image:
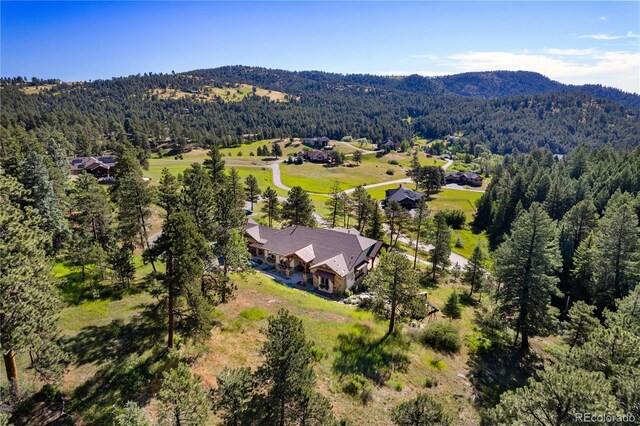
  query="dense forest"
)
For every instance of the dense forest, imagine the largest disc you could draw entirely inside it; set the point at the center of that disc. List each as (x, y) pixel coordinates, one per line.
(91, 116)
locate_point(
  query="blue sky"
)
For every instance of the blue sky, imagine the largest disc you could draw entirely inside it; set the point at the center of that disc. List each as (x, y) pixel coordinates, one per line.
(572, 42)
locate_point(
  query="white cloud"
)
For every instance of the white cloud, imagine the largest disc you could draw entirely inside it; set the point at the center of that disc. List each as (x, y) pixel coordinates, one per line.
(570, 52)
(601, 36)
(425, 56)
(619, 69)
(603, 18)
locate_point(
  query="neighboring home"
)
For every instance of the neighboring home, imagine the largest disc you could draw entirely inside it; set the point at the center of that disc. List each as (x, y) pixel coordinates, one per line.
(100, 167)
(469, 178)
(388, 146)
(317, 142)
(316, 156)
(407, 198)
(333, 260)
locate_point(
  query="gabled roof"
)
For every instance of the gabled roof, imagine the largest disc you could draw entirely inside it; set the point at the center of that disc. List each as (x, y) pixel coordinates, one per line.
(91, 163)
(336, 250)
(401, 193)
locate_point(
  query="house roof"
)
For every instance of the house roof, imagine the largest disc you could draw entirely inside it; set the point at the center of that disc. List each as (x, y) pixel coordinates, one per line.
(316, 154)
(401, 194)
(92, 163)
(336, 250)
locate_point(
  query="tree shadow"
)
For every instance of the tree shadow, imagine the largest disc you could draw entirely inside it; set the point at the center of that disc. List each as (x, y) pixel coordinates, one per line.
(127, 355)
(498, 368)
(360, 351)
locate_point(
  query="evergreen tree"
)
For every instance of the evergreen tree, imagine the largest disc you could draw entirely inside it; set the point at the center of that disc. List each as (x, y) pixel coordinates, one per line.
(28, 295)
(184, 249)
(375, 230)
(617, 242)
(394, 283)
(91, 211)
(168, 192)
(452, 308)
(233, 250)
(393, 212)
(473, 270)
(288, 377)
(345, 204)
(421, 411)
(584, 270)
(414, 170)
(525, 265)
(121, 263)
(422, 211)
(581, 321)
(133, 198)
(430, 178)
(215, 165)
(199, 199)
(235, 187)
(131, 415)
(233, 400)
(271, 205)
(276, 150)
(556, 398)
(36, 179)
(362, 206)
(334, 203)
(182, 398)
(252, 189)
(357, 157)
(441, 238)
(298, 208)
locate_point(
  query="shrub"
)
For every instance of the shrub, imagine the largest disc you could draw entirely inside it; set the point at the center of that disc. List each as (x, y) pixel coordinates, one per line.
(391, 172)
(430, 383)
(239, 154)
(442, 336)
(354, 384)
(398, 386)
(393, 162)
(458, 243)
(454, 218)
(251, 154)
(254, 314)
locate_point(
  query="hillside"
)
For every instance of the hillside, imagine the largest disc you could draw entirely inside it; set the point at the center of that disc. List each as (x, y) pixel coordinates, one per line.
(198, 107)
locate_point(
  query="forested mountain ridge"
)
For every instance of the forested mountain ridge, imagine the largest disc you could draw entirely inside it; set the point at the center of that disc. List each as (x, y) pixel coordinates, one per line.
(90, 116)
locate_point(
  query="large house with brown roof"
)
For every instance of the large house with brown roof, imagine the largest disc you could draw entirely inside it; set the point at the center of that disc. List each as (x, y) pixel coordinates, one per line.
(406, 197)
(469, 178)
(316, 156)
(317, 142)
(100, 167)
(332, 260)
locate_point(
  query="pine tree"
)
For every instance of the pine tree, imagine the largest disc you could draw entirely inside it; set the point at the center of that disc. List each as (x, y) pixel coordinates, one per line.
(234, 185)
(440, 234)
(298, 208)
(288, 376)
(168, 192)
(271, 206)
(91, 210)
(182, 398)
(617, 242)
(394, 283)
(375, 230)
(581, 321)
(452, 308)
(362, 206)
(131, 415)
(357, 157)
(422, 211)
(28, 295)
(133, 198)
(334, 203)
(233, 249)
(393, 212)
(430, 178)
(215, 165)
(414, 170)
(252, 189)
(184, 249)
(584, 270)
(276, 150)
(421, 411)
(36, 179)
(121, 263)
(233, 400)
(525, 265)
(199, 199)
(473, 270)
(556, 398)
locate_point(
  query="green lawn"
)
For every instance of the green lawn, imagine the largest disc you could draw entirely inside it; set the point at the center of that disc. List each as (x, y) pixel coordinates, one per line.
(317, 178)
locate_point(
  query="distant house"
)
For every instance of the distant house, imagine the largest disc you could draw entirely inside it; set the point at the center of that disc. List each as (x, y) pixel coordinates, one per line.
(100, 167)
(388, 146)
(317, 142)
(332, 260)
(407, 198)
(316, 156)
(469, 178)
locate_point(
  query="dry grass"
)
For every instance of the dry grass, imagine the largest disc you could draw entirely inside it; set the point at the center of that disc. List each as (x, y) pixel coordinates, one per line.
(233, 93)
